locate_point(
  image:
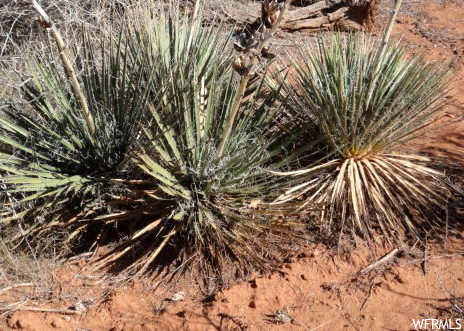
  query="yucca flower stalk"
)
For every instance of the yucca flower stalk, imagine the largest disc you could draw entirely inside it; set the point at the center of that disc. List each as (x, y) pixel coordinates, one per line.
(357, 101)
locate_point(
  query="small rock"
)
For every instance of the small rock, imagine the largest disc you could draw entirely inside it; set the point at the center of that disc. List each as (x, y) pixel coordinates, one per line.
(253, 283)
(283, 317)
(315, 253)
(80, 307)
(178, 296)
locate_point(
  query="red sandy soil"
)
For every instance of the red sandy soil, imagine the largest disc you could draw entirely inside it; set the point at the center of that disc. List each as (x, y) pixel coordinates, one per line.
(321, 288)
(318, 289)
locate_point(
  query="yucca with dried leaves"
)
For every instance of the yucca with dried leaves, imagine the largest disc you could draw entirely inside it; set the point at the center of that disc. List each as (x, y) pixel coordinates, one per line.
(356, 102)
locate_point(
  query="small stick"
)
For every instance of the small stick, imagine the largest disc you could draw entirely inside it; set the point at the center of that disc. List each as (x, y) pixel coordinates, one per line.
(11, 307)
(424, 262)
(10, 287)
(380, 261)
(368, 296)
(70, 73)
(43, 310)
(325, 323)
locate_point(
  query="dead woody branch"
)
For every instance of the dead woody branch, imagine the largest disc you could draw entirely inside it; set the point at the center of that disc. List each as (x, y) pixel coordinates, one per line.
(327, 14)
(70, 73)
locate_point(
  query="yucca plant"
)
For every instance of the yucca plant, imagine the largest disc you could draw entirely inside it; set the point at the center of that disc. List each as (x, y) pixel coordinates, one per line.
(359, 101)
(150, 172)
(210, 207)
(52, 164)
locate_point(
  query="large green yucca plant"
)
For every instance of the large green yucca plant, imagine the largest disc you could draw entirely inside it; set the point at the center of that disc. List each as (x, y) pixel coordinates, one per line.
(359, 101)
(211, 208)
(208, 207)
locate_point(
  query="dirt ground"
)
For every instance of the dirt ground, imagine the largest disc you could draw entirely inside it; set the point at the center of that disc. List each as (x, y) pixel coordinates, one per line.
(321, 288)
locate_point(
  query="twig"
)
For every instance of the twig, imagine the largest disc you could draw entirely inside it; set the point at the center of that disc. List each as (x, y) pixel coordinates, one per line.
(424, 262)
(70, 73)
(368, 296)
(431, 257)
(79, 257)
(325, 323)
(8, 35)
(43, 310)
(12, 307)
(380, 261)
(10, 287)
(450, 298)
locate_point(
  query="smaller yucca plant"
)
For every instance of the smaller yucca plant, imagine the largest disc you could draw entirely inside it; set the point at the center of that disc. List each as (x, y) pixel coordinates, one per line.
(52, 163)
(359, 101)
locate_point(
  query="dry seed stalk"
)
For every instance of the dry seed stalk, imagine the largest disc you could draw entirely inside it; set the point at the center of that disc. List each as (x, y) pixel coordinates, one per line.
(272, 14)
(391, 22)
(70, 73)
(383, 45)
(387, 34)
(203, 94)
